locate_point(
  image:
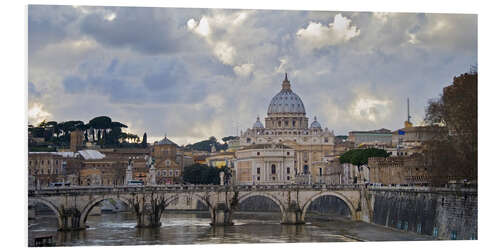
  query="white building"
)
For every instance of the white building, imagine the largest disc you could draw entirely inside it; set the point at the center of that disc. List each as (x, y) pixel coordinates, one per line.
(264, 164)
(286, 123)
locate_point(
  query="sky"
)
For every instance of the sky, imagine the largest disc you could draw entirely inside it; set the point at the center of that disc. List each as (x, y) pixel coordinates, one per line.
(193, 73)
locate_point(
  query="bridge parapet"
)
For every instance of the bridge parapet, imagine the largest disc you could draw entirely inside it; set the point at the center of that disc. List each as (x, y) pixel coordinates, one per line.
(181, 188)
(423, 189)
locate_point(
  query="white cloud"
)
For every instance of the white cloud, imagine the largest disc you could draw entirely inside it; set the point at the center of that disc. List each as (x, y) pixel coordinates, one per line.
(216, 29)
(37, 113)
(202, 28)
(316, 35)
(370, 109)
(224, 52)
(244, 69)
(111, 17)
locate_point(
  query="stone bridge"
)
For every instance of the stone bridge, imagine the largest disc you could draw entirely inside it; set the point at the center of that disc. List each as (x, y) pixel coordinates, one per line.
(72, 205)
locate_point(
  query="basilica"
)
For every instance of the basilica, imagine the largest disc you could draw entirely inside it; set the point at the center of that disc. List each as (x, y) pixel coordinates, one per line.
(286, 148)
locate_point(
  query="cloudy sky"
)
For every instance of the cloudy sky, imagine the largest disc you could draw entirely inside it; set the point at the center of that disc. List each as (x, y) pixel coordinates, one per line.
(193, 73)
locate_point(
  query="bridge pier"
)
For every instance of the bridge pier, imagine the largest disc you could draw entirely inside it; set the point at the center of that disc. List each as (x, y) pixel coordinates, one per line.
(292, 215)
(222, 215)
(148, 212)
(70, 220)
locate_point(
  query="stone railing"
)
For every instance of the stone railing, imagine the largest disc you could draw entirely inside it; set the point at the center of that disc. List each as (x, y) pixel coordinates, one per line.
(183, 188)
(422, 189)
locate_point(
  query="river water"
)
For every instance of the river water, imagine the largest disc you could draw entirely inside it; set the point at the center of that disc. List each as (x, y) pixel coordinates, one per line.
(193, 228)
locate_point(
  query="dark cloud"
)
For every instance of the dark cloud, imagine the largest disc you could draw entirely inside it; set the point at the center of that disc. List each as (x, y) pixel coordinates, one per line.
(48, 24)
(32, 91)
(74, 84)
(112, 66)
(148, 30)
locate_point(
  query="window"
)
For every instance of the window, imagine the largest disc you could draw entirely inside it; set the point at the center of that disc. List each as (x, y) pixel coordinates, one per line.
(273, 169)
(320, 172)
(288, 178)
(287, 153)
(326, 139)
(288, 170)
(258, 170)
(258, 178)
(306, 169)
(293, 124)
(286, 123)
(57, 162)
(170, 172)
(176, 172)
(274, 178)
(258, 153)
(249, 140)
(279, 124)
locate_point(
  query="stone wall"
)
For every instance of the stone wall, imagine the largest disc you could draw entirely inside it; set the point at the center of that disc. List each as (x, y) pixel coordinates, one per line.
(442, 214)
(401, 170)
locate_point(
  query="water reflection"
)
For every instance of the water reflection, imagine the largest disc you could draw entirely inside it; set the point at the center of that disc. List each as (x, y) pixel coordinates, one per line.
(194, 228)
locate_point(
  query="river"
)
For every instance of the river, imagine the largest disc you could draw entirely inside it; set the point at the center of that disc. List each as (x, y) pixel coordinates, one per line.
(193, 228)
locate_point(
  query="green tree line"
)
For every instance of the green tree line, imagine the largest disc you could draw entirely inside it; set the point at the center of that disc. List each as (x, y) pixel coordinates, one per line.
(102, 130)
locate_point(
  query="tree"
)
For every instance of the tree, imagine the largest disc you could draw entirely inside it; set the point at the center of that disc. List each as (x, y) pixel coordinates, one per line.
(100, 123)
(228, 138)
(360, 157)
(456, 109)
(201, 174)
(144, 141)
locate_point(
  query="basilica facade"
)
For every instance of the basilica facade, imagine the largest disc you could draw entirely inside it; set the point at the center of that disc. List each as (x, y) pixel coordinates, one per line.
(286, 126)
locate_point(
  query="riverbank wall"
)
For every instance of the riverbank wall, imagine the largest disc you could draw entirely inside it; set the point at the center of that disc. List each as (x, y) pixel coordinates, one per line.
(442, 213)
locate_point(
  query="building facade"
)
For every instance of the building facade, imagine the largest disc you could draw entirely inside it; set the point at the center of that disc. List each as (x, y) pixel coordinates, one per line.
(378, 137)
(168, 161)
(401, 170)
(264, 164)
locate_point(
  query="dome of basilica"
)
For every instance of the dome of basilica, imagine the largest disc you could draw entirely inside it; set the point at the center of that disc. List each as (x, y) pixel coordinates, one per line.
(286, 101)
(315, 124)
(258, 124)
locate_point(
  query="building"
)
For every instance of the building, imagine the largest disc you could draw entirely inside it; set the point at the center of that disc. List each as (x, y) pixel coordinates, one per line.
(380, 137)
(401, 170)
(342, 146)
(168, 160)
(264, 164)
(76, 140)
(45, 168)
(233, 145)
(221, 159)
(409, 140)
(286, 123)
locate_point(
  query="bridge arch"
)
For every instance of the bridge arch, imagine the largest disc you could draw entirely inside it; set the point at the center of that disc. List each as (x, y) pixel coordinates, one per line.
(52, 207)
(269, 196)
(349, 204)
(196, 196)
(86, 210)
